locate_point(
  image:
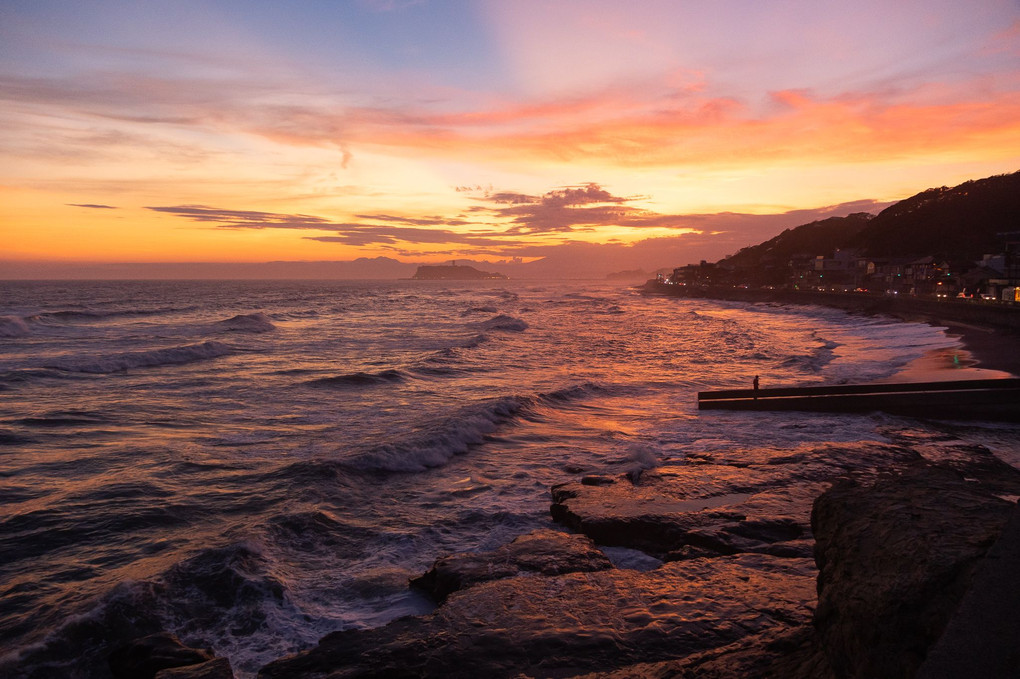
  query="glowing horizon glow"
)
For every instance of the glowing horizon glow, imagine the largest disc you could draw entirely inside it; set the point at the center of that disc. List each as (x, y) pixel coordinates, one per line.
(425, 131)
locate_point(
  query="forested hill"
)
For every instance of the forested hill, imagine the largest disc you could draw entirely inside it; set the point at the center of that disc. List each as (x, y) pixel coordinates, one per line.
(959, 223)
(956, 223)
(821, 237)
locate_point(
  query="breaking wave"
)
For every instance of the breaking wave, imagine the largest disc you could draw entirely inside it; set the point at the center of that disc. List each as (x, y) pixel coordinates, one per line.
(572, 393)
(144, 359)
(225, 596)
(247, 323)
(13, 326)
(504, 323)
(816, 360)
(436, 445)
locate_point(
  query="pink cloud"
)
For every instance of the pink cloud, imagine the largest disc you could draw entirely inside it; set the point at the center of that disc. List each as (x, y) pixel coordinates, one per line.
(650, 123)
(802, 128)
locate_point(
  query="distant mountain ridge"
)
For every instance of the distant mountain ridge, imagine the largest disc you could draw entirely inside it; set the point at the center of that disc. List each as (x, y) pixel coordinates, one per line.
(453, 272)
(958, 223)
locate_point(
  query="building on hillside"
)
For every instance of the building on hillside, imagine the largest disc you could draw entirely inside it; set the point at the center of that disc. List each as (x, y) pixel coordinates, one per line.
(983, 282)
(705, 273)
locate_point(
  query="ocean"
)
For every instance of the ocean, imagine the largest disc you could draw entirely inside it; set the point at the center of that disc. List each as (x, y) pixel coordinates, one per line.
(251, 465)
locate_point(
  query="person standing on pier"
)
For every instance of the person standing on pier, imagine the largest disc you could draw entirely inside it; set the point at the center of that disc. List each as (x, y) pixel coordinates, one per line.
(755, 383)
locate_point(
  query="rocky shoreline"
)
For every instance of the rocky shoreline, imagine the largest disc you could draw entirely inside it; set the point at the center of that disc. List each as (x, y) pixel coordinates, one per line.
(842, 560)
(819, 561)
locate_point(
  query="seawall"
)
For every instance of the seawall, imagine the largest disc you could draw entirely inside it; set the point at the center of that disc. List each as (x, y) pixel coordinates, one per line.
(996, 315)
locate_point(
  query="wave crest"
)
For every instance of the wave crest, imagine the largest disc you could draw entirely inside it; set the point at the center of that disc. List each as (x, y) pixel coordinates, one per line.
(248, 323)
(818, 358)
(572, 393)
(505, 323)
(13, 326)
(144, 359)
(436, 445)
(359, 379)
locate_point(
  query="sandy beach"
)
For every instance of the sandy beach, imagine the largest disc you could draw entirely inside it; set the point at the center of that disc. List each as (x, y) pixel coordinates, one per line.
(984, 353)
(992, 349)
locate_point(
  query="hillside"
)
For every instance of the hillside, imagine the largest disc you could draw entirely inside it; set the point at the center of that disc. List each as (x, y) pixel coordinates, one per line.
(956, 223)
(960, 224)
(821, 237)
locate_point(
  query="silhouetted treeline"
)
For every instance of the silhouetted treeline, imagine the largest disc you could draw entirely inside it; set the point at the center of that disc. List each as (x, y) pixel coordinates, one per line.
(962, 222)
(956, 224)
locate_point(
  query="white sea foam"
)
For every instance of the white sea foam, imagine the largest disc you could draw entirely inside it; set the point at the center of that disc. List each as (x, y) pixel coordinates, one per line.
(819, 357)
(436, 445)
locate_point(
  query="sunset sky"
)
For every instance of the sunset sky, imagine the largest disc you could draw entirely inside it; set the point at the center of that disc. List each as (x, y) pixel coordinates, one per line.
(655, 132)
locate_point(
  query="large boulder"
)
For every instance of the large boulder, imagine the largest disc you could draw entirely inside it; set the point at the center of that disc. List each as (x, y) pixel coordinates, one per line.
(981, 639)
(895, 557)
(545, 552)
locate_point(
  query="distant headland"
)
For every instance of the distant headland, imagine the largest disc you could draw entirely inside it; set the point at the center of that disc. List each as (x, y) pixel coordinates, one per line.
(454, 272)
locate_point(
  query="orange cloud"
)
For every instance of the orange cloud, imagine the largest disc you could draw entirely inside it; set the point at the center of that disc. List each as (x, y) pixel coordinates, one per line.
(644, 124)
(618, 129)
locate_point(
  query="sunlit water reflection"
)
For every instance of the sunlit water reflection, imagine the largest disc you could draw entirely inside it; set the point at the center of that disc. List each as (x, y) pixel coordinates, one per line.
(252, 465)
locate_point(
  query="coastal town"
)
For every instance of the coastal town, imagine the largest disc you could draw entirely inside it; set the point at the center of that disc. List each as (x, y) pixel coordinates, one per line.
(995, 277)
(959, 243)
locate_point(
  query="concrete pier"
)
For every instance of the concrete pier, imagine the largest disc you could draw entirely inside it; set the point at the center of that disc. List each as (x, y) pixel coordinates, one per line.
(996, 399)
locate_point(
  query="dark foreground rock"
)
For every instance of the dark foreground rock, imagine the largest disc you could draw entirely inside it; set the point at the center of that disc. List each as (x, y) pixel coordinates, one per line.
(156, 654)
(900, 529)
(545, 552)
(218, 668)
(578, 622)
(981, 639)
(783, 654)
(895, 558)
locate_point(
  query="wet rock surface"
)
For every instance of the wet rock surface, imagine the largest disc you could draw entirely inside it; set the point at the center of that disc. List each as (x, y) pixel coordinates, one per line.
(569, 624)
(545, 552)
(899, 529)
(720, 503)
(896, 557)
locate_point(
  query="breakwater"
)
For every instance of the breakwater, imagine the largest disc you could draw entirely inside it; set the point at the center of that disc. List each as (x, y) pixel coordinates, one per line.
(993, 399)
(944, 311)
